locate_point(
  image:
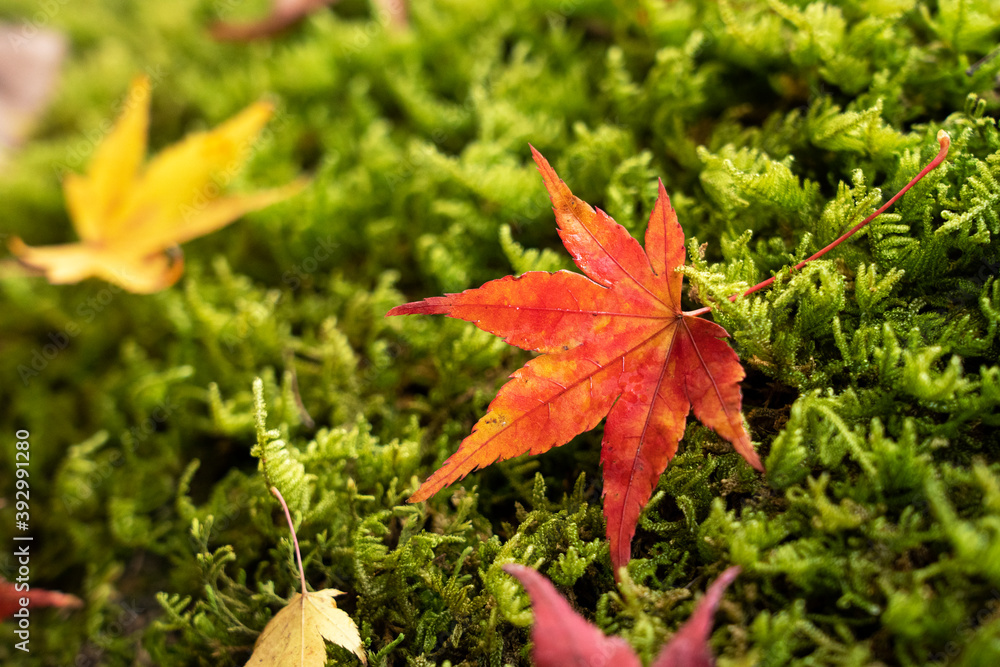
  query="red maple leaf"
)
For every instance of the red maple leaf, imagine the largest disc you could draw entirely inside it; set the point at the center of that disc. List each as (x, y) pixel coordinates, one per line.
(616, 343)
(563, 638)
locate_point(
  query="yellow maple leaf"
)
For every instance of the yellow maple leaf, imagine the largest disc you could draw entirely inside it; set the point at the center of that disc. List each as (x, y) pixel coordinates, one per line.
(129, 218)
(295, 635)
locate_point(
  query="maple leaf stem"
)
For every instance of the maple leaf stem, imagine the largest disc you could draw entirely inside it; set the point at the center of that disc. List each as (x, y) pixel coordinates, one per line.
(945, 142)
(295, 539)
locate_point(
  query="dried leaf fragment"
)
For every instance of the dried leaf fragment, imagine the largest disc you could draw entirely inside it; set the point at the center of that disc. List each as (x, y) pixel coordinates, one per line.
(284, 14)
(29, 69)
(10, 599)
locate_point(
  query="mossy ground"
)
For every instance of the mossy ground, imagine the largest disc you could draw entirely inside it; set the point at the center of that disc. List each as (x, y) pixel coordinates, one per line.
(873, 389)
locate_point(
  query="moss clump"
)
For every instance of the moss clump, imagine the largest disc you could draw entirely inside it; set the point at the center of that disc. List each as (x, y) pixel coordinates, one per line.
(873, 386)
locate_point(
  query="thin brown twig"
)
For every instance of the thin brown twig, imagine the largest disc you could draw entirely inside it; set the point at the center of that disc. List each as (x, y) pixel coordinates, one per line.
(945, 142)
(295, 539)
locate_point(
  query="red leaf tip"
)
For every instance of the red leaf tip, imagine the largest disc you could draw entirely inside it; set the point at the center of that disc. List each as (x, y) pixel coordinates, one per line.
(689, 646)
(436, 305)
(562, 637)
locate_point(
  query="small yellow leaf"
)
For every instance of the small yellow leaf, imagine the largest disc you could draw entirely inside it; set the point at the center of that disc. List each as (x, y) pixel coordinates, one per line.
(130, 219)
(294, 637)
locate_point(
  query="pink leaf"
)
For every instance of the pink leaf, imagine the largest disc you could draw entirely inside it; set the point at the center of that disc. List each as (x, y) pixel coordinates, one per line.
(563, 638)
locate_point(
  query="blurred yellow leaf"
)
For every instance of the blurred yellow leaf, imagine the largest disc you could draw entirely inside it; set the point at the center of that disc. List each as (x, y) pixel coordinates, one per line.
(129, 218)
(294, 637)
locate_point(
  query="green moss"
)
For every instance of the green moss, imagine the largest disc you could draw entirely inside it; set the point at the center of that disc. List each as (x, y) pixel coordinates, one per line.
(873, 389)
